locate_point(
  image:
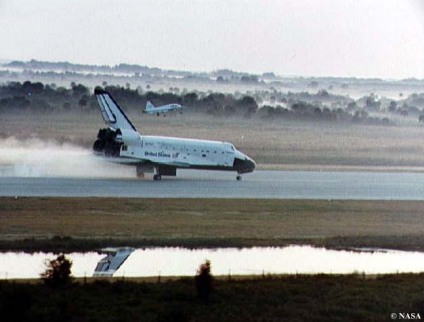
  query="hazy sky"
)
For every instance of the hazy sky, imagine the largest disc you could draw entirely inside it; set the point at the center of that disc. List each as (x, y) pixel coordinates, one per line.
(361, 38)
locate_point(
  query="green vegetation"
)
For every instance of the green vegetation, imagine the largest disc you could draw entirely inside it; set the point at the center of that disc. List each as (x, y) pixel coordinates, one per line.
(58, 271)
(204, 281)
(322, 106)
(37, 97)
(78, 224)
(291, 298)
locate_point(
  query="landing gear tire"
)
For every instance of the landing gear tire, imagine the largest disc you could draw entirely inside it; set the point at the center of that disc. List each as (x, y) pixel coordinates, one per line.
(157, 177)
(239, 177)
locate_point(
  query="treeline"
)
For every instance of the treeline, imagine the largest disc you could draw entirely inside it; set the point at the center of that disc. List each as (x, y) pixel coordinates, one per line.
(66, 66)
(222, 75)
(37, 97)
(303, 111)
(319, 107)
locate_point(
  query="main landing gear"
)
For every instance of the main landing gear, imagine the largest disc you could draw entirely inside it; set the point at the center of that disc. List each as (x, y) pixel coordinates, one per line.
(140, 173)
(239, 177)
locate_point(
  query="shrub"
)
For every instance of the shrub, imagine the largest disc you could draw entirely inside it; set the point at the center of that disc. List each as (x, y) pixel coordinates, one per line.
(203, 281)
(58, 271)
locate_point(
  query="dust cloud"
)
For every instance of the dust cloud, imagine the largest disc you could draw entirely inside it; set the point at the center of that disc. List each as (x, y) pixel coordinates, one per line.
(38, 158)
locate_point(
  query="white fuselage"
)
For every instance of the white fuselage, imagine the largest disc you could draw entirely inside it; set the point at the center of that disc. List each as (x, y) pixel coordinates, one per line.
(151, 109)
(176, 151)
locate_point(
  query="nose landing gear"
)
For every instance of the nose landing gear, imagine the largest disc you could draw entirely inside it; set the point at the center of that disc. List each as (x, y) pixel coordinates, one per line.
(239, 177)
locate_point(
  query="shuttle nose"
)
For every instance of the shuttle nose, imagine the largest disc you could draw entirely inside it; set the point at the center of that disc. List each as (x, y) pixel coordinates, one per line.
(250, 164)
(244, 165)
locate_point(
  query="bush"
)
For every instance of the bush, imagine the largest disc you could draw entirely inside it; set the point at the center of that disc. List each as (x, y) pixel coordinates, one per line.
(58, 271)
(203, 281)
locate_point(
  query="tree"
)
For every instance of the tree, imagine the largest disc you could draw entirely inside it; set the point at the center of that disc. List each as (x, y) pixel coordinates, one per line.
(392, 106)
(352, 106)
(323, 94)
(79, 90)
(82, 102)
(249, 105)
(190, 99)
(220, 79)
(58, 271)
(372, 104)
(203, 281)
(32, 88)
(249, 79)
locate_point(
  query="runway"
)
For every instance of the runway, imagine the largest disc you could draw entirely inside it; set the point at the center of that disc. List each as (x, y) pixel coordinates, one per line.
(208, 184)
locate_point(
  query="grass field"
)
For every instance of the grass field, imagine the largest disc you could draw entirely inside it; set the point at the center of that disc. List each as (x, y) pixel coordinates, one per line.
(295, 298)
(268, 142)
(86, 223)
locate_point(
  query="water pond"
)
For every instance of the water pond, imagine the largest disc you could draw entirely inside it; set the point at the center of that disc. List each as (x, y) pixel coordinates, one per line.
(224, 261)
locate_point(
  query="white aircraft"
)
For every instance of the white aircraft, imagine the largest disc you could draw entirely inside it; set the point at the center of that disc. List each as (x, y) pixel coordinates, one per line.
(115, 257)
(151, 109)
(122, 143)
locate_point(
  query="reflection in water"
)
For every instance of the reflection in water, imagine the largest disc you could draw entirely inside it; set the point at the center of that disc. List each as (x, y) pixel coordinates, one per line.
(114, 258)
(224, 261)
(23, 265)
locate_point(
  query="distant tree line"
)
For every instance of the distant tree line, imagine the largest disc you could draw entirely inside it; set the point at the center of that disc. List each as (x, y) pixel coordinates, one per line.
(66, 66)
(50, 68)
(303, 111)
(16, 96)
(319, 107)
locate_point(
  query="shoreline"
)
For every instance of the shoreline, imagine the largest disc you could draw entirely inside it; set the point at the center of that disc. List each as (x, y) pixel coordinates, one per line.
(68, 245)
(86, 224)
